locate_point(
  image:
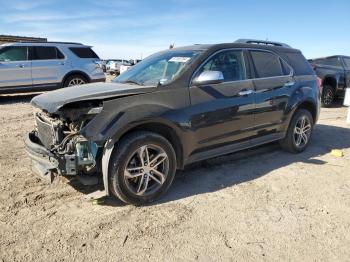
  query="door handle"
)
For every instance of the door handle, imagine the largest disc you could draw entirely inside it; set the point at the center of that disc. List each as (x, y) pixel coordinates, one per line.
(61, 63)
(21, 65)
(289, 83)
(245, 92)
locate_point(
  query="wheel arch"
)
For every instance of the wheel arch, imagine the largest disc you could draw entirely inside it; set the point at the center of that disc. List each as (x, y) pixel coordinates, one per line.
(309, 106)
(330, 80)
(75, 72)
(163, 129)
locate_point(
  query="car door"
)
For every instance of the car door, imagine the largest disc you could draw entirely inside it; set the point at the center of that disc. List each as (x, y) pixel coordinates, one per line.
(48, 66)
(222, 112)
(15, 69)
(346, 61)
(273, 84)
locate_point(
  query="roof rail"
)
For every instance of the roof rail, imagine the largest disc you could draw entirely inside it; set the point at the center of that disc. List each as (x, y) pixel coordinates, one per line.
(261, 42)
(49, 42)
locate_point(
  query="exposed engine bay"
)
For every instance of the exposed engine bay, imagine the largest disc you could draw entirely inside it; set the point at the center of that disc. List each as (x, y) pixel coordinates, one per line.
(60, 135)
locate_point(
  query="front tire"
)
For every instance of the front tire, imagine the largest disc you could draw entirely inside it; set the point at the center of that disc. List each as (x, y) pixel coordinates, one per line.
(141, 168)
(299, 132)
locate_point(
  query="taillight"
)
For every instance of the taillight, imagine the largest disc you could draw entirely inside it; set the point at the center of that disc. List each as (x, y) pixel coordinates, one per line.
(313, 67)
(97, 64)
(319, 84)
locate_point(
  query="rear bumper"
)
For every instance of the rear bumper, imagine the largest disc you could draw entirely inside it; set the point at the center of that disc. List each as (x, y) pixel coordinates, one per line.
(44, 163)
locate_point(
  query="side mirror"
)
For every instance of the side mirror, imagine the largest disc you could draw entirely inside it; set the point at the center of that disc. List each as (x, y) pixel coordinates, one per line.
(209, 77)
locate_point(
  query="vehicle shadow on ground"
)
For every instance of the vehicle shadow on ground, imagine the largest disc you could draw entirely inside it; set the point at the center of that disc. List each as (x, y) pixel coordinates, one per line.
(233, 169)
(13, 99)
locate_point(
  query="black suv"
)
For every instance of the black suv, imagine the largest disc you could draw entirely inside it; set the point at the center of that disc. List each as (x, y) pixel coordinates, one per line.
(174, 108)
(334, 72)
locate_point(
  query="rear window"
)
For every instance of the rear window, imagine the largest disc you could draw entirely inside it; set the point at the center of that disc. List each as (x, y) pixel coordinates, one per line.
(299, 63)
(266, 64)
(46, 53)
(84, 52)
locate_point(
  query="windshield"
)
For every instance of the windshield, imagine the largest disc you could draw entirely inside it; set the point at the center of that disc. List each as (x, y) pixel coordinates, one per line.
(160, 68)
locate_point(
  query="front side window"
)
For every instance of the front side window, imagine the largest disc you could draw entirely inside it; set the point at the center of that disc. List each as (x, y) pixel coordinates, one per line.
(160, 68)
(13, 53)
(46, 53)
(230, 63)
(267, 64)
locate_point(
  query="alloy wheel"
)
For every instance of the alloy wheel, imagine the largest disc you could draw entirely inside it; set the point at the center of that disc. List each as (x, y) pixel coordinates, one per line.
(328, 96)
(76, 81)
(146, 170)
(302, 131)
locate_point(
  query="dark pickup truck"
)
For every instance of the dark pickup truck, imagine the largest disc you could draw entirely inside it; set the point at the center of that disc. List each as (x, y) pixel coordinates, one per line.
(335, 74)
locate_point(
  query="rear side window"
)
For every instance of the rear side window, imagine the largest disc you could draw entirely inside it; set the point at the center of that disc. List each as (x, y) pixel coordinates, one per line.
(267, 64)
(347, 62)
(299, 63)
(84, 52)
(46, 53)
(13, 53)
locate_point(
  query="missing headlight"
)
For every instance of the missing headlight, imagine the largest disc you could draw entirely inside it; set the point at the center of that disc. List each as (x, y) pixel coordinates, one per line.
(86, 152)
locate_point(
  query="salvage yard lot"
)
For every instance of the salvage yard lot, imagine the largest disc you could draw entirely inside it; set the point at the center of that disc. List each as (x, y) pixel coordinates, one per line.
(262, 204)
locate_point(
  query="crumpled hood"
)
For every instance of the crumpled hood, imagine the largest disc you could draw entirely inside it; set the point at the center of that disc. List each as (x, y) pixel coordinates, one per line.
(54, 100)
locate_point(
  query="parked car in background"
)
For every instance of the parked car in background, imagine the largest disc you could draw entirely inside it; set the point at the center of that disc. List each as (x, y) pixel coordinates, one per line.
(334, 72)
(114, 66)
(132, 62)
(108, 64)
(176, 107)
(103, 65)
(123, 68)
(28, 67)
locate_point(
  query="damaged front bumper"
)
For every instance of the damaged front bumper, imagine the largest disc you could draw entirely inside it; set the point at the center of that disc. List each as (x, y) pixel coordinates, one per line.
(44, 163)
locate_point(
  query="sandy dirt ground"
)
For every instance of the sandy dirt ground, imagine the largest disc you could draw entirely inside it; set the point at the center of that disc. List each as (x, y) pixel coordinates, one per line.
(260, 204)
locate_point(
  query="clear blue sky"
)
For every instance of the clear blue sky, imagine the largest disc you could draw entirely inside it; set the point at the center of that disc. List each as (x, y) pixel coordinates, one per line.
(129, 29)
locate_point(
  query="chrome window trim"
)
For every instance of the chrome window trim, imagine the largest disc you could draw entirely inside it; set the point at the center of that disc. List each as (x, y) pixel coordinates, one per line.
(248, 79)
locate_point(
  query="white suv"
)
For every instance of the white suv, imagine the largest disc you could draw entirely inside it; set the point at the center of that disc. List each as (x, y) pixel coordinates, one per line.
(28, 67)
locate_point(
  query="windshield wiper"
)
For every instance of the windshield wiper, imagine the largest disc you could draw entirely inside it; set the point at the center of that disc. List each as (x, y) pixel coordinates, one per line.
(131, 82)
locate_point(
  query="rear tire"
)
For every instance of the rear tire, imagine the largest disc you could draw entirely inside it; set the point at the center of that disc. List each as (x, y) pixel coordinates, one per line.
(75, 80)
(141, 168)
(328, 96)
(299, 132)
